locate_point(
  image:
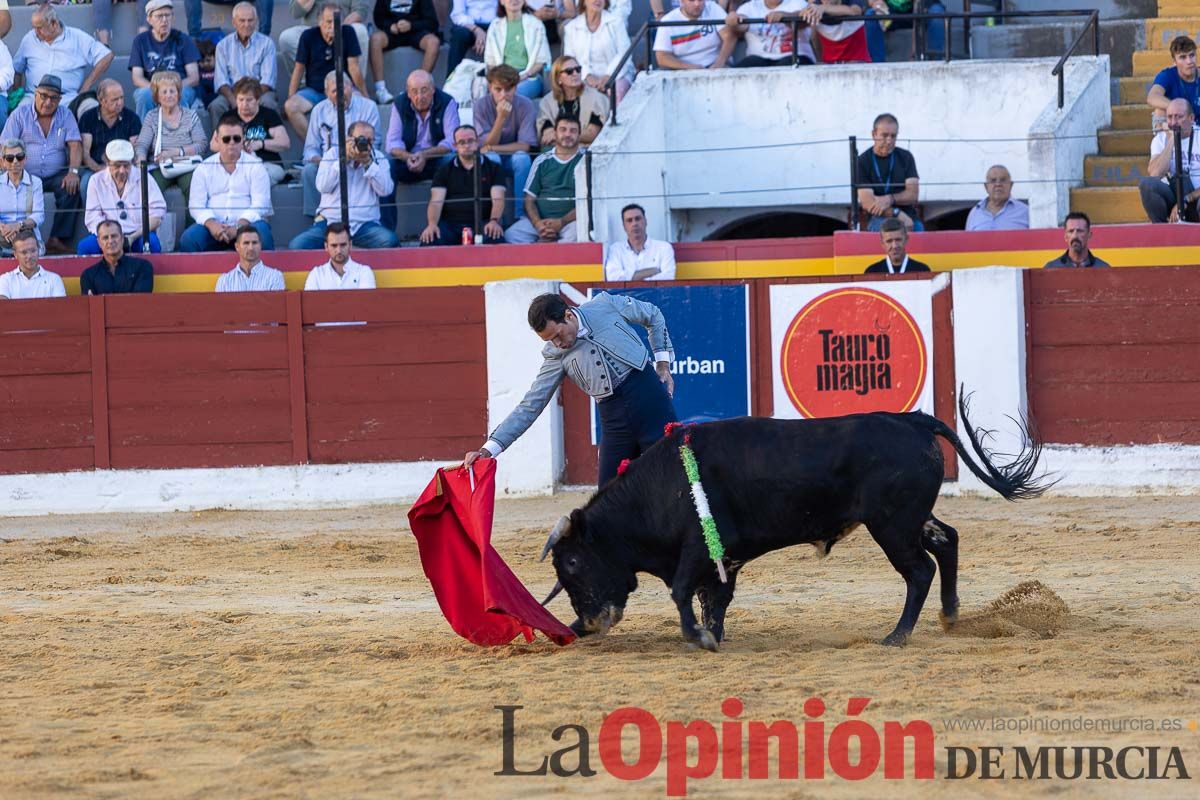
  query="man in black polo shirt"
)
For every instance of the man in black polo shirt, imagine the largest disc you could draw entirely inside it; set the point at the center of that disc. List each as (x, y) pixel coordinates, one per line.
(116, 273)
(888, 183)
(1077, 230)
(452, 200)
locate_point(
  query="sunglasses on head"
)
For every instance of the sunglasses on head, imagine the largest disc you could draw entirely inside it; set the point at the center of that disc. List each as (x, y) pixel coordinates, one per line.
(575, 70)
(235, 139)
(14, 157)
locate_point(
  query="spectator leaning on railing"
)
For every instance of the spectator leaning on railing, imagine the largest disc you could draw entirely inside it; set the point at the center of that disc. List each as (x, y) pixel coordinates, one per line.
(403, 23)
(550, 191)
(29, 281)
(323, 131)
(231, 188)
(998, 211)
(769, 44)
(163, 49)
(637, 257)
(245, 53)
(1158, 188)
(115, 193)
(704, 45)
(340, 271)
(452, 198)
(887, 178)
(250, 274)
(842, 42)
(51, 48)
(22, 203)
(314, 63)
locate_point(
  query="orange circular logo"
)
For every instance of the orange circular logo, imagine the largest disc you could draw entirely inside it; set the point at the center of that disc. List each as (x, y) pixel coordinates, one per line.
(850, 351)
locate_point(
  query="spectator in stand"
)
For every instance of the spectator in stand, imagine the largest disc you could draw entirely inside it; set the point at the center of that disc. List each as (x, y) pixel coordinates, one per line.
(266, 136)
(314, 63)
(250, 274)
(7, 76)
(998, 211)
(162, 49)
(340, 271)
(550, 191)
(518, 38)
(1158, 188)
(888, 183)
(54, 153)
(935, 31)
(22, 203)
(505, 121)
(355, 13)
(659, 8)
(230, 189)
(769, 44)
(169, 132)
(322, 132)
(195, 15)
(1077, 230)
(403, 23)
(894, 235)
(368, 179)
(245, 53)
(469, 21)
(637, 257)
(115, 193)
(843, 42)
(116, 272)
(5, 19)
(1179, 81)
(598, 39)
(570, 95)
(452, 199)
(28, 281)
(69, 54)
(106, 122)
(206, 94)
(419, 131)
(704, 46)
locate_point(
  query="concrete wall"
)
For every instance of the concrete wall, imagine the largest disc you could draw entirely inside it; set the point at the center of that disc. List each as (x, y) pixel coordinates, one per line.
(748, 139)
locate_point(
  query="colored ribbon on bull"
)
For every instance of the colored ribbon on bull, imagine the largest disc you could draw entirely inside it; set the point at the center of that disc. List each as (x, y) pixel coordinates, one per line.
(708, 525)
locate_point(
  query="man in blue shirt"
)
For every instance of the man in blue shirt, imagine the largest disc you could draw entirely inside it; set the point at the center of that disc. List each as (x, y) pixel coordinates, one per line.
(1179, 81)
(116, 273)
(162, 48)
(314, 61)
(998, 211)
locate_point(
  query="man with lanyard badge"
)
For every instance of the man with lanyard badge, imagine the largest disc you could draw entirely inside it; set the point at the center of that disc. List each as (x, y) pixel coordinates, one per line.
(888, 181)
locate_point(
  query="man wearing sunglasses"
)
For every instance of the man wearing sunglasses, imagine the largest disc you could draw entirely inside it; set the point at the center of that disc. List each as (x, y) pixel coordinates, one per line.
(22, 205)
(230, 188)
(116, 193)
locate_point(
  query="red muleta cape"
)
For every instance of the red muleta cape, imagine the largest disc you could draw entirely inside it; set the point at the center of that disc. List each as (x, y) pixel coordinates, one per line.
(479, 595)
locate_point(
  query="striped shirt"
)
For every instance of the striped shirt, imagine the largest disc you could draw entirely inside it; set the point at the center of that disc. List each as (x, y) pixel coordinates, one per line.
(261, 279)
(255, 59)
(698, 45)
(189, 135)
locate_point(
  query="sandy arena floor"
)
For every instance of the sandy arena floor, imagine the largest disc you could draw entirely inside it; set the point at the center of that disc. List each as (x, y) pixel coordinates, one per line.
(218, 655)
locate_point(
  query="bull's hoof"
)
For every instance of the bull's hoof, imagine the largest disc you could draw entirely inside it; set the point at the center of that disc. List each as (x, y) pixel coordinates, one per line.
(705, 639)
(895, 639)
(948, 620)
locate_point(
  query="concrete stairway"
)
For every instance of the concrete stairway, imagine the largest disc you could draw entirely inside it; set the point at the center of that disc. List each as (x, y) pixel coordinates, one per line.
(1110, 193)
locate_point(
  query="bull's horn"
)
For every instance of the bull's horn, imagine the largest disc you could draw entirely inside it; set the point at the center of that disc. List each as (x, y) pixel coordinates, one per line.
(553, 593)
(560, 530)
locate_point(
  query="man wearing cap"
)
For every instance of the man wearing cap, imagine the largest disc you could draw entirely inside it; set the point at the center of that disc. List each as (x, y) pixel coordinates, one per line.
(51, 48)
(29, 281)
(159, 49)
(116, 193)
(54, 152)
(116, 272)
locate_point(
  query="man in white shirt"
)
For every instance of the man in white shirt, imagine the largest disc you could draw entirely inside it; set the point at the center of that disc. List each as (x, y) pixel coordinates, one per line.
(250, 274)
(230, 188)
(702, 46)
(29, 281)
(769, 44)
(340, 271)
(1158, 188)
(638, 258)
(52, 48)
(368, 179)
(116, 193)
(322, 133)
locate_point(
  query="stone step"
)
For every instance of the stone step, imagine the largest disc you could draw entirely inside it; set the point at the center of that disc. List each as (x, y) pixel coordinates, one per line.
(1125, 143)
(1150, 62)
(1133, 117)
(1160, 32)
(1134, 90)
(1109, 204)
(1114, 170)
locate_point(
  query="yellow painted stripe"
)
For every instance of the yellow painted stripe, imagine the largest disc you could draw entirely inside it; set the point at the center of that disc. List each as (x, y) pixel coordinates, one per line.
(1033, 259)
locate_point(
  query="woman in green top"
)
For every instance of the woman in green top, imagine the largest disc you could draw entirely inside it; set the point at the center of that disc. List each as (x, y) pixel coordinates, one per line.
(518, 38)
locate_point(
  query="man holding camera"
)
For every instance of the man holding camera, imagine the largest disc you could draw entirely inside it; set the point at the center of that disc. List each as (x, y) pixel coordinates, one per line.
(1158, 189)
(368, 178)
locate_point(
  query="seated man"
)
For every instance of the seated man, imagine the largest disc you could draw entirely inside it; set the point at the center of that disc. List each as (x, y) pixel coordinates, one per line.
(230, 189)
(314, 63)
(116, 193)
(769, 44)
(245, 53)
(403, 23)
(1077, 230)
(888, 183)
(706, 45)
(322, 133)
(340, 271)
(1179, 81)
(355, 13)
(998, 211)
(638, 257)
(106, 122)
(367, 180)
(550, 192)
(1158, 188)
(469, 21)
(250, 274)
(418, 137)
(54, 152)
(452, 199)
(116, 272)
(162, 49)
(195, 15)
(51, 48)
(505, 121)
(894, 235)
(29, 281)
(935, 30)
(22, 203)
(841, 42)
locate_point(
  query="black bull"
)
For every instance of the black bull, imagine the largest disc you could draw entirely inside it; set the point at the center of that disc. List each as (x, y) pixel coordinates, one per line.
(770, 484)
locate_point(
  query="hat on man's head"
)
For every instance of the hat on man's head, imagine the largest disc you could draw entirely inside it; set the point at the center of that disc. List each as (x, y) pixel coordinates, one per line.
(155, 5)
(118, 150)
(51, 82)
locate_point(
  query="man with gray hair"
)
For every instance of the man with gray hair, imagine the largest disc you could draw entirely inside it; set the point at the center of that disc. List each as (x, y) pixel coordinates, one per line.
(998, 211)
(355, 13)
(1158, 188)
(245, 53)
(22, 205)
(108, 122)
(322, 132)
(77, 59)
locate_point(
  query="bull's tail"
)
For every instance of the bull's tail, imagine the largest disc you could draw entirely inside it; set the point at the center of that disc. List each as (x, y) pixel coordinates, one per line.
(1014, 480)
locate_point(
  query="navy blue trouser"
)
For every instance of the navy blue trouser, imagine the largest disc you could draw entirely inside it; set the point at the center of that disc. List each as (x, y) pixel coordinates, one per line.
(632, 419)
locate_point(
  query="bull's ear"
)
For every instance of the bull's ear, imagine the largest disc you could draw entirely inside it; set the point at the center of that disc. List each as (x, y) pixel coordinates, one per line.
(562, 528)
